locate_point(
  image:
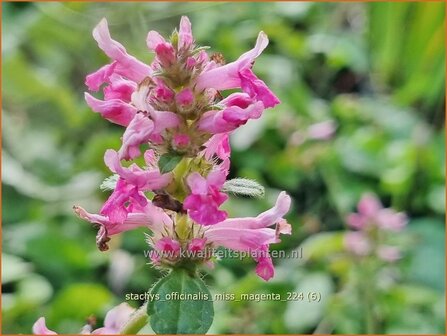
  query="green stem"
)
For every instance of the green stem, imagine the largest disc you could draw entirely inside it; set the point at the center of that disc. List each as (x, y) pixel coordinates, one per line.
(136, 321)
(368, 292)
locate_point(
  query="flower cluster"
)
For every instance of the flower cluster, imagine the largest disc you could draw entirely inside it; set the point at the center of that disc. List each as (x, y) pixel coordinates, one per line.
(174, 109)
(372, 222)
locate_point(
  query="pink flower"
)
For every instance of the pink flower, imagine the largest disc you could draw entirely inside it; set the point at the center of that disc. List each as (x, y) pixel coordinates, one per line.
(321, 131)
(371, 212)
(40, 328)
(138, 132)
(219, 145)
(114, 110)
(148, 216)
(357, 243)
(180, 141)
(114, 321)
(196, 245)
(117, 206)
(119, 88)
(390, 220)
(253, 234)
(388, 253)
(205, 198)
(162, 92)
(165, 54)
(227, 76)
(185, 38)
(184, 98)
(264, 268)
(239, 109)
(142, 179)
(126, 65)
(167, 245)
(99, 77)
(257, 89)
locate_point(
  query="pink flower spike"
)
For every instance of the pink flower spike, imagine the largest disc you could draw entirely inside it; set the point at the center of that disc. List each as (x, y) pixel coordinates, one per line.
(185, 38)
(137, 133)
(196, 244)
(357, 243)
(40, 328)
(127, 66)
(99, 77)
(205, 198)
(114, 110)
(184, 98)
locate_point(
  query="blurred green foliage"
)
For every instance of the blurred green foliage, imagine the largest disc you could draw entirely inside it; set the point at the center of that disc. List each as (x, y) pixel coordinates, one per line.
(375, 69)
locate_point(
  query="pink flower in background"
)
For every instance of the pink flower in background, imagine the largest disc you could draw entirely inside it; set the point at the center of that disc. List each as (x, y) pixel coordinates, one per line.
(358, 243)
(373, 222)
(388, 253)
(40, 328)
(321, 131)
(114, 321)
(205, 198)
(371, 212)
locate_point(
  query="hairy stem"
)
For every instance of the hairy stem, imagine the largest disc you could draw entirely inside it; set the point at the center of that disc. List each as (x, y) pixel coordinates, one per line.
(136, 321)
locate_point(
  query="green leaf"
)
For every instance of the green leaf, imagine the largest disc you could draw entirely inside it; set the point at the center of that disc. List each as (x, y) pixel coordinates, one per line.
(244, 187)
(168, 162)
(182, 304)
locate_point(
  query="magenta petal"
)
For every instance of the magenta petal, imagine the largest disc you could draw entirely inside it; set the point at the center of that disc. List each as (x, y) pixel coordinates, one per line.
(127, 65)
(257, 89)
(137, 133)
(119, 88)
(114, 110)
(227, 76)
(99, 77)
(185, 38)
(154, 39)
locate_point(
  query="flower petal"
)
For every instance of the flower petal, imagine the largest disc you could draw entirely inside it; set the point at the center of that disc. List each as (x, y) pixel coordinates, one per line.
(114, 110)
(127, 65)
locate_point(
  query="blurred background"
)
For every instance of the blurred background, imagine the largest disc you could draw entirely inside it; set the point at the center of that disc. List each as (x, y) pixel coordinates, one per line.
(362, 87)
